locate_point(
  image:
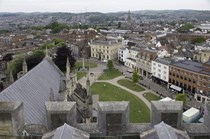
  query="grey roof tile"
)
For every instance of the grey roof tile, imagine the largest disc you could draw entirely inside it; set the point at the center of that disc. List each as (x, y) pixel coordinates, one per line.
(33, 90)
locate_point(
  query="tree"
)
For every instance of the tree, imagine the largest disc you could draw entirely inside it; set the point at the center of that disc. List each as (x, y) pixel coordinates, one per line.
(34, 59)
(185, 28)
(198, 39)
(110, 65)
(181, 97)
(61, 56)
(135, 77)
(15, 65)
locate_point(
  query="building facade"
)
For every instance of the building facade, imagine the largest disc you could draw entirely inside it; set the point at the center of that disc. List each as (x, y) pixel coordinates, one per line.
(193, 77)
(131, 60)
(144, 62)
(123, 53)
(160, 70)
(105, 50)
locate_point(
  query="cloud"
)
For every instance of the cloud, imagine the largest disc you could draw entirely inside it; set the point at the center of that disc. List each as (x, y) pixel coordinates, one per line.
(99, 5)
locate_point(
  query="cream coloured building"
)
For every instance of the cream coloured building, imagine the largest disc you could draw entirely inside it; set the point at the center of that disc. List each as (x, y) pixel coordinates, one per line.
(105, 50)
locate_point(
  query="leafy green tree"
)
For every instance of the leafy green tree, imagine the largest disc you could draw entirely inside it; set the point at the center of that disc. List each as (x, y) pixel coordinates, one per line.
(110, 65)
(135, 77)
(61, 57)
(181, 97)
(185, 28)
(198, 39)
(32, 60)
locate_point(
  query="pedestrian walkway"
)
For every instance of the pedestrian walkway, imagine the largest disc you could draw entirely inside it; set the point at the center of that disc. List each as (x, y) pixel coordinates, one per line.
(138, 94)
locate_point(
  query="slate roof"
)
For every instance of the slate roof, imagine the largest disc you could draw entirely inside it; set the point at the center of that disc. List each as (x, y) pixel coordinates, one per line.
(33, 89)
(164, 131)
(66, 132)
(192, 66)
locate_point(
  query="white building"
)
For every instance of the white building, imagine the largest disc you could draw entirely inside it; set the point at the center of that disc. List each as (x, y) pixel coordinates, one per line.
(123, 54)
(131, 60)
(160, 69)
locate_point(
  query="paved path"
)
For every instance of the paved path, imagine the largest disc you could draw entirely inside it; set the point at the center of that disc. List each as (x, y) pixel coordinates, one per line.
(138, 94)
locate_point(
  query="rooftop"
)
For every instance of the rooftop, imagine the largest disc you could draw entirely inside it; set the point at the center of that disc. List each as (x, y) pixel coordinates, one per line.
(9, 106)
(191, 65)
(113, 105)
(165, 61)
(164, 105)
(33, 89)
(59, 106)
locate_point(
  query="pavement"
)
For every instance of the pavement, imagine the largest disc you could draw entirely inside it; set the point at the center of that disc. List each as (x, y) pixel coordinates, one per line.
(158, 89)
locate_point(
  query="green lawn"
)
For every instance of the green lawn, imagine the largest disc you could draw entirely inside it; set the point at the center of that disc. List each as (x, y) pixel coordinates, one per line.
(80, 75)
(151, 97)
(110, 74)
(89, 64)
(130, 85)
(139, 112)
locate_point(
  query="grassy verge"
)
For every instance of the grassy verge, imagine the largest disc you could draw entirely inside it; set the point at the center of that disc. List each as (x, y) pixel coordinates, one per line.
(110, 74)
(139, 112)
(151, 97)
(130, 85)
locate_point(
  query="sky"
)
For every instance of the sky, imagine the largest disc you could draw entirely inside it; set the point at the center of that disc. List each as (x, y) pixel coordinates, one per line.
(81, 6)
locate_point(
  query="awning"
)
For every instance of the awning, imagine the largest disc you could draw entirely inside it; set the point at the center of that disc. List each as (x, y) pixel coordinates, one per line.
(177, 88)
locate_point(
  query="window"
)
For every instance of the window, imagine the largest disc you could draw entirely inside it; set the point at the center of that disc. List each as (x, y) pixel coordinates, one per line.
(165, 67)
(164, 77)
(154, 64)
(159, 75)
(154, 68)
(159, 65)
(181, 77)
(154, 73)
(159, 70)
(209, 85)
(164, 72)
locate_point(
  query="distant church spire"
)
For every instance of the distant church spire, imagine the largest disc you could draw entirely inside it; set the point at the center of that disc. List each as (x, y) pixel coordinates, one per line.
(129, 17)
(25, 67)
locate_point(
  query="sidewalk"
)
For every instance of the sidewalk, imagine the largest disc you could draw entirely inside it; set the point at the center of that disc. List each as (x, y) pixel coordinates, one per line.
(160, 89)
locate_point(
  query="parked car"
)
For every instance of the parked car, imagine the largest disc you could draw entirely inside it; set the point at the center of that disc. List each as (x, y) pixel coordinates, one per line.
(129, 70)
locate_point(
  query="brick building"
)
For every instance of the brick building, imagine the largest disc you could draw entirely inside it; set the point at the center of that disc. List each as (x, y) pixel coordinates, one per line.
(193, 77)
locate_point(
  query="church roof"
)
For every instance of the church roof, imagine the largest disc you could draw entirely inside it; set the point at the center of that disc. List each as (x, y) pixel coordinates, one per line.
(33, 89)
(66, 132)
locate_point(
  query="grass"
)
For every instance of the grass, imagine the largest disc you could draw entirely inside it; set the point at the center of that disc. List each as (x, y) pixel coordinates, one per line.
(109, 74)
(151, 97)
(80, 75)
(139, 112)
(89, 64)
(130, 85)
